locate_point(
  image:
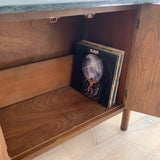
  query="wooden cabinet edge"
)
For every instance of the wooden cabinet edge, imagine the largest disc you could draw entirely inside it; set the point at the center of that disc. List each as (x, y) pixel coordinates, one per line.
(15, 17)
(3, 148)
(126, 111)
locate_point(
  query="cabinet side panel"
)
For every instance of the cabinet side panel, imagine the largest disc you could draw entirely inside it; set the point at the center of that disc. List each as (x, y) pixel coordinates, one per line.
(144, 70)
(3, 147)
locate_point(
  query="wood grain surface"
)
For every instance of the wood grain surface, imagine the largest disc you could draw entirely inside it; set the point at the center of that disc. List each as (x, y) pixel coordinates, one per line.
(3, 147)
(33, 124)
(31, 41)
(20, 83)
(62, 13)
(144, 70)
(114, 29)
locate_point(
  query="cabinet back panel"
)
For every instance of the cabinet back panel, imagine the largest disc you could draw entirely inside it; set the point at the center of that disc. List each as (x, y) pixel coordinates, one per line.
(31, 41)
(114, 29)
(20, 83)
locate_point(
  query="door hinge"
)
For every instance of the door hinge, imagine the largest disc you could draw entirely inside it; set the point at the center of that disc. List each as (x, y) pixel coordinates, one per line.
(125, 94)
(137, 23)
(125, 97)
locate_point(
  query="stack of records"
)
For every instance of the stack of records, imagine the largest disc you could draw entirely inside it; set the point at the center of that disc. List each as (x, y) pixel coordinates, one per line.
(96, 71)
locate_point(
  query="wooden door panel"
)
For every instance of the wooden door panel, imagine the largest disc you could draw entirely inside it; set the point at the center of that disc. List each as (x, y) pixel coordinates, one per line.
(143, 87)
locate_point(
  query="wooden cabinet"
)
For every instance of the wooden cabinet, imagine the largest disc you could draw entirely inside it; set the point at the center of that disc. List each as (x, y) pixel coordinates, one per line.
(38, 107)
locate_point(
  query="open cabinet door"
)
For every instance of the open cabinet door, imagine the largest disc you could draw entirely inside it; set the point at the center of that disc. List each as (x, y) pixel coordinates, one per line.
(3, 147)
(143, 81)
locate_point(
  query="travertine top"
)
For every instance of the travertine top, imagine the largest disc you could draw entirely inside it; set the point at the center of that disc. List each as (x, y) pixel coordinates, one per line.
(21, 6)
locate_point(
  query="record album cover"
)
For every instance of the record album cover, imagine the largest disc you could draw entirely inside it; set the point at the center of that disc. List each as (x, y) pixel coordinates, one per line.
(94, 72)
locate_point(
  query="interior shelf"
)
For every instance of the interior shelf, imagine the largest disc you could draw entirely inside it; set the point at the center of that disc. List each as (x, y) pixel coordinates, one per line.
(50, 119)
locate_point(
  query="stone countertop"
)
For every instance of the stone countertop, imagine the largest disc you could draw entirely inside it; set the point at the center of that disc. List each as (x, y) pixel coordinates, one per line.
(21, 6)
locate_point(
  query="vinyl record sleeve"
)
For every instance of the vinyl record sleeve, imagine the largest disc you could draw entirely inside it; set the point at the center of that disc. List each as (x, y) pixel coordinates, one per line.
(118, 68)
(94, 72)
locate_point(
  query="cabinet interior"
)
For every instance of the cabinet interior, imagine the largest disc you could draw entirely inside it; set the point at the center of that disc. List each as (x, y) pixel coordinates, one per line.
(38, 107)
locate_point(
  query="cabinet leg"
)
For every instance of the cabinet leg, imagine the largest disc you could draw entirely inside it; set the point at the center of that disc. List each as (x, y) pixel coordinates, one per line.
(125, 119)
